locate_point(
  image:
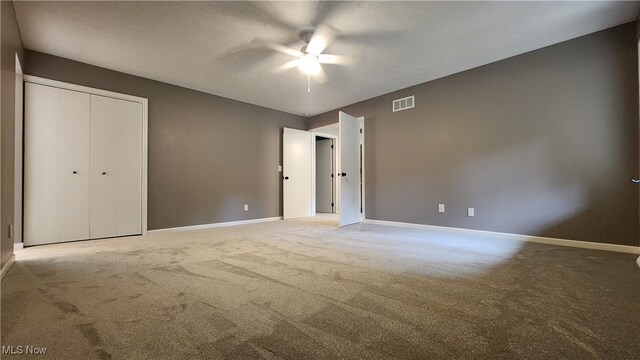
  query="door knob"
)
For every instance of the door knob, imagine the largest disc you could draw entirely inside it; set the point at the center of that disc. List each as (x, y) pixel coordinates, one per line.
(286, 178)
(343, 174)
(74, 172)
(104, 173)
(637, 181)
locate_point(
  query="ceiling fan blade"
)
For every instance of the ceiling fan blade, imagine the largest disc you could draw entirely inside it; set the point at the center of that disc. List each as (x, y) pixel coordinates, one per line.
(258, 12)
(334, 59)
(325, 11)
(322, 37)
(321, 76)
(370, 37)
(243, 58)
(277, 47)
(286, 66)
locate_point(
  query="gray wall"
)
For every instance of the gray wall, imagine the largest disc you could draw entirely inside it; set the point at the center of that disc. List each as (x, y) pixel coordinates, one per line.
(544, 143)
(10, 44)
(208, 155)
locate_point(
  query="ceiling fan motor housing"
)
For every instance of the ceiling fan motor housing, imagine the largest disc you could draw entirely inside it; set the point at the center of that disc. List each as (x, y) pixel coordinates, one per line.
(306, 34)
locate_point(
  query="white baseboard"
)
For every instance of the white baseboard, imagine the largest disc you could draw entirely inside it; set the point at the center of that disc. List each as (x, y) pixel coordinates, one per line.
(326, 215)
(7, 266)
(537, 239)
(215, 225)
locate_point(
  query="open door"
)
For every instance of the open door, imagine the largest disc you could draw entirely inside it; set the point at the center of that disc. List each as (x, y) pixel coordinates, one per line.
(349, 172)
(296, 174)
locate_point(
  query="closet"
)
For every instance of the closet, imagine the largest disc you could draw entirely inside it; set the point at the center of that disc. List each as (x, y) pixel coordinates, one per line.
(83, 165)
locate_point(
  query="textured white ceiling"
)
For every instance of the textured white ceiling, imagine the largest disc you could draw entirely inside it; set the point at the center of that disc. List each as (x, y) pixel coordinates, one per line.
(206, 45)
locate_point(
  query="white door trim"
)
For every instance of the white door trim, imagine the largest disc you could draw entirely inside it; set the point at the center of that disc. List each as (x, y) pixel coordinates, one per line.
(18, 152)
(362, 168)
(145, 125)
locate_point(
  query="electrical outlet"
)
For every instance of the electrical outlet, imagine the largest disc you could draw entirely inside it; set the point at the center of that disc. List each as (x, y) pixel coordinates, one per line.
(471, 212)
(246, 207)
(441, 208)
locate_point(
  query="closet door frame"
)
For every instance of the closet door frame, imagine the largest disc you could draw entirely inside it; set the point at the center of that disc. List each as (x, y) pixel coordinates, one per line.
(145, 122)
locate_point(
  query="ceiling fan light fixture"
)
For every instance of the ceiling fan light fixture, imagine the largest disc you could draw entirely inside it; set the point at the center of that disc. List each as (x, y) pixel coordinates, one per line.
(309, 64)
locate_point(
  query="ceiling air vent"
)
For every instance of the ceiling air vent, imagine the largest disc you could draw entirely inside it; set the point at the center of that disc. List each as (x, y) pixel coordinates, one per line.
(404, 103)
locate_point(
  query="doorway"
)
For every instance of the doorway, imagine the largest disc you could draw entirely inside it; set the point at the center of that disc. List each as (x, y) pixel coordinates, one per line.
(332, 132)
(300, 176)
(325, 175)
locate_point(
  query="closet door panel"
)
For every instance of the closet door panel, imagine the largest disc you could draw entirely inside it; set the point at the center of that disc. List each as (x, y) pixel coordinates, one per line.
(129, 168)
(42, 104)
(74, 166)
(104, 153)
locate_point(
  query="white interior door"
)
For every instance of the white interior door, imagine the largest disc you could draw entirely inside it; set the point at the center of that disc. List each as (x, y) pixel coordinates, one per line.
(105, 137)
(349, 171)
(74, 166)
(41, 165)
(296, 174)
(128, 170)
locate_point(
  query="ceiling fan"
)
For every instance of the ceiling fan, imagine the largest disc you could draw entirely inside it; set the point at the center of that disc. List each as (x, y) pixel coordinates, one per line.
(310, 57)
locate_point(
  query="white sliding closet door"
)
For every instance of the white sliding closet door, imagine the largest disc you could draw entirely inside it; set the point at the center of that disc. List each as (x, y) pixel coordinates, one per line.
(41, 120)
(128, 170)
(74, 166)
(83, 169)
(116, 167)
(104, 160)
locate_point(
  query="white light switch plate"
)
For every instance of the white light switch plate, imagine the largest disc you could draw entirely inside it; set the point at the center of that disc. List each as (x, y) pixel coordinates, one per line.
(471, 212)
(441, 208)
(246, 207)
(279, 168)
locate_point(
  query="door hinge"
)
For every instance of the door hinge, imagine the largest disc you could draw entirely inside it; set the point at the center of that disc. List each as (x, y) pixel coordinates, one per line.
(332, 205)
(331, 175)
(360, 131)
(332, 146)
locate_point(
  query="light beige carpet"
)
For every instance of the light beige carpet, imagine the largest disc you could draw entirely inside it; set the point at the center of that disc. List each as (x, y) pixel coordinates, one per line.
(310, 290)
